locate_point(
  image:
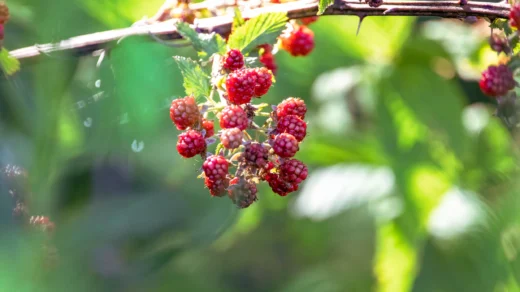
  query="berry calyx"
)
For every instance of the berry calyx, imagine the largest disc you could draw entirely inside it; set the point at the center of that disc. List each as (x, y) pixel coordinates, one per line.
(264, 80)
(497, 81)
(299, 42)
(217, 188)
(233, 116)
(191, 143)
(215, 167)
(291, 106)
(293, 125)
(256, 155)
(285, 145)
(240, 85)
(514, 15)
(209, 126)
(231, 138)
(242, 192)
(293, 171)
(233, 60)
(184, 112)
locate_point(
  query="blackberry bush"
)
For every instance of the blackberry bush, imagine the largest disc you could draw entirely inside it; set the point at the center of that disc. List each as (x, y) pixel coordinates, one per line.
(248, 150)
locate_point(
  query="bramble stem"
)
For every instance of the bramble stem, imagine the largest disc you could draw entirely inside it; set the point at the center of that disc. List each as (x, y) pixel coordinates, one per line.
(86, 44)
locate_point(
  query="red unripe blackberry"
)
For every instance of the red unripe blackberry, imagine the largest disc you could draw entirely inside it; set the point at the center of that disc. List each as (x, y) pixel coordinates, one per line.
(191, 143)
(269, 62)
(217, 188)
(293, 125)
(215, 167)
(285, 145)
(299, 42)
(291, 106)
(240, 86)
(514, 15)
(231, 138)
(242, 192)
(256, 154)
(499, 43)
(293, 171)
(209, 126)
(184, 112)
(233, 60)
(279, 186)
(497, 80)
(264, 80)
(233, 116)
(4, 13)
(309, 20)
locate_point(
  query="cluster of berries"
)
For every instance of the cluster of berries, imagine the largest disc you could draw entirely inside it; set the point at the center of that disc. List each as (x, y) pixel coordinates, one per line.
(497, 80)
(240, 149)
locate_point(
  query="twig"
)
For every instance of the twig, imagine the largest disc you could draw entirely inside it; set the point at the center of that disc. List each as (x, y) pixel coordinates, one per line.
(86, 44)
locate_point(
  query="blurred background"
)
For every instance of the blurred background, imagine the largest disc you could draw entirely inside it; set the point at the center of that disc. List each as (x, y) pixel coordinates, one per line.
(412, 187)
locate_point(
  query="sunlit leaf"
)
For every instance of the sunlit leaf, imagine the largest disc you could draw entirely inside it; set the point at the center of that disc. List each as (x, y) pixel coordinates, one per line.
(238, 20)
(9, 63)
(205, 44)
(323, 5)
(263, 29)
(196, 81)
(395, 260)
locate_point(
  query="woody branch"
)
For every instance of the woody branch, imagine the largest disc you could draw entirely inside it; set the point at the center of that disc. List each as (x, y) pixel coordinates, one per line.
(89, 43)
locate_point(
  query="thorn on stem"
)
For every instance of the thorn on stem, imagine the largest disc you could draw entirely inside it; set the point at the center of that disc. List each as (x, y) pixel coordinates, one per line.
(361, 17)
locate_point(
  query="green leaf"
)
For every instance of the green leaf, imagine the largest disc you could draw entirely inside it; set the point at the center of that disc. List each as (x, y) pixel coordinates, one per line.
(395, 261)
(205, 44)
(502, 24)
(9, 63)
(212, 43)
(196, 82)
(323, 5)
(262, 29)
(238, 20)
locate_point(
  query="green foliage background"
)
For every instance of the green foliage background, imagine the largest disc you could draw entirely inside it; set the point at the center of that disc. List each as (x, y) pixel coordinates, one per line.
(412, 182)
